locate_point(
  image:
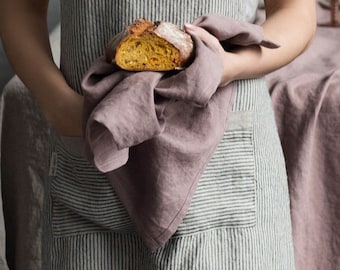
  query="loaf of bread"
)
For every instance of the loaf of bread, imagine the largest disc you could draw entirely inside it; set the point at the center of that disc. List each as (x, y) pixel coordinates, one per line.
(144, 45)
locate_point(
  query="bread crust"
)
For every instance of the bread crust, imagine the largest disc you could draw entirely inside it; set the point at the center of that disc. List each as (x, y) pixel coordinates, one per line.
(146, 45)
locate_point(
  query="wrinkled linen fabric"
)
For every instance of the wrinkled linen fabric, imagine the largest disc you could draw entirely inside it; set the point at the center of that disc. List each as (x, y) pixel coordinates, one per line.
(153, 133)
(307, 111)
(306, 101)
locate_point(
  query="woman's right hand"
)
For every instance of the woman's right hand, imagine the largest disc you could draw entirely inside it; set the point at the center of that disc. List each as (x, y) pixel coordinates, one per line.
(65, 113)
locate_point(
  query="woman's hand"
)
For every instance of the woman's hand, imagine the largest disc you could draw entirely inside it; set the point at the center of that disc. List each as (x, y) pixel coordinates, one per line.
(65, 112)
(231, 60)
(212, 42)
(289, 23)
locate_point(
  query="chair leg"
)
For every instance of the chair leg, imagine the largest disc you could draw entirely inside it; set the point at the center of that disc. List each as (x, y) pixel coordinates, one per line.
(335, 21)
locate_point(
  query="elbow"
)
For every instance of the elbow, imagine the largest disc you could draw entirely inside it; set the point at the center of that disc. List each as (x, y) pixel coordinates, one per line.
(307, 20)
(312, 26)
(310, 20)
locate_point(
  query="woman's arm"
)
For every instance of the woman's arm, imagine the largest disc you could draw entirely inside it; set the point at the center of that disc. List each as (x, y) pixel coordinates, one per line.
(24, 34)
(289, 23)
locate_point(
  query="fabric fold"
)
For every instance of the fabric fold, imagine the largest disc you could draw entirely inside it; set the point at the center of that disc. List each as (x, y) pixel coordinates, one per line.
(153, 133)
(234, 32)
(189, 87)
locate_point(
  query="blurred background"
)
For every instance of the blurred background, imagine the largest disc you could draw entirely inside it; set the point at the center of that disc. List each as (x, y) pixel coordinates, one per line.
(6, 72)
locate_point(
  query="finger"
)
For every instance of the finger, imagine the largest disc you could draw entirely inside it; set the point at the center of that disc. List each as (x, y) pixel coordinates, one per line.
(207, 38)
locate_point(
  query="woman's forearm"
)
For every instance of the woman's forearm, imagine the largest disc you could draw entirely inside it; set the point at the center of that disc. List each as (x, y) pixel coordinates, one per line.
(290, 24)
(25, 38)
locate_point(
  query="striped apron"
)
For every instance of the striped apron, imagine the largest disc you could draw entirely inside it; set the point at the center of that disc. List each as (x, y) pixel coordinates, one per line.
(239, 217)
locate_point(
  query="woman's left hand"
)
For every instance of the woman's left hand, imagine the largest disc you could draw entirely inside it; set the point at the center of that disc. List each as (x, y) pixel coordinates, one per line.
(289, 23)
(227, 58)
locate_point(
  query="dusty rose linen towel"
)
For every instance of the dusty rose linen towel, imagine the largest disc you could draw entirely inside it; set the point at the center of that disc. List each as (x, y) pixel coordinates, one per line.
(306, 100)
(153, 133)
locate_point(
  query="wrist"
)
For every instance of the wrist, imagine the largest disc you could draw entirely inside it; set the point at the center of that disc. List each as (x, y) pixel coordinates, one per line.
(242, 63)
(64, 112)
(231, 70)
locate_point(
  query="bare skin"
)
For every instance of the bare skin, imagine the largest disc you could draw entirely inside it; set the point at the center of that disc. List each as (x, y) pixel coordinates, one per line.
(290, 24)
(23, 29)
(25, 38)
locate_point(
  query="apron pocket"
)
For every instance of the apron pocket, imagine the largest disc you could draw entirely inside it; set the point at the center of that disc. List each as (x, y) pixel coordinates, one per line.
(83, 200)
(226, 192)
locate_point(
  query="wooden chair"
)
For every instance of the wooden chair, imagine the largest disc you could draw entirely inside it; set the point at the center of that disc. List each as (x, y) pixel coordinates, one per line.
(335, 19)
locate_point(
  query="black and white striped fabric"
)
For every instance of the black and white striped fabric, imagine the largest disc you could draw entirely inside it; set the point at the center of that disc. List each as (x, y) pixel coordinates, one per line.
(239, 216)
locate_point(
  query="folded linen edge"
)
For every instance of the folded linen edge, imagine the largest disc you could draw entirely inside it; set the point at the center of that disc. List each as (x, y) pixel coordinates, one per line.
(103, 158)
(269, 44)
(112, 163)
(154, 243)
(266, 42)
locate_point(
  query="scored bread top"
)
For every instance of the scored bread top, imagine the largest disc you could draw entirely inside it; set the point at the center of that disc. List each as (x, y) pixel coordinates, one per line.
(139, 26)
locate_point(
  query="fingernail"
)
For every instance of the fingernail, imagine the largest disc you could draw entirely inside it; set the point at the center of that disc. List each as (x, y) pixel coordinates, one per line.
(190, 27)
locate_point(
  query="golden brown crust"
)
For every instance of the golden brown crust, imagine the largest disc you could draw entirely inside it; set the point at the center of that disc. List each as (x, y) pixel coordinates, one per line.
(139, 26)
(144, 45)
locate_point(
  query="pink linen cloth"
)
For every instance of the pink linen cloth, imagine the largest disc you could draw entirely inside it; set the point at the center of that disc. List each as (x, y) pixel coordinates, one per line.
(153, 133)
(306, 101)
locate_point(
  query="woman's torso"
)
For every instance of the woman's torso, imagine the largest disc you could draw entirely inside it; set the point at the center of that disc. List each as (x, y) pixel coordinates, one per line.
(88, 25)
(239, 216)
